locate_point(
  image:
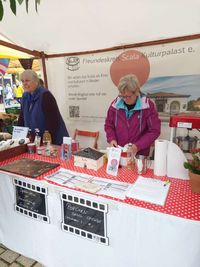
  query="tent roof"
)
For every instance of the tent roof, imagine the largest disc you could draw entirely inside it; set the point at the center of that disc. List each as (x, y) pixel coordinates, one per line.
(6, 52)
(70, 26)
(14, 55)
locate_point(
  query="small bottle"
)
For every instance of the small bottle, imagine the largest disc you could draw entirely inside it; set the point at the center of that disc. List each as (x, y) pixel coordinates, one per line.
(130, 156)
(30, 135)
(46, 138)
(37, 140)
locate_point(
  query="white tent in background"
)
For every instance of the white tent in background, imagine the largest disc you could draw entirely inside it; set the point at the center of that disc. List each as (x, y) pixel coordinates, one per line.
(73, 26)
(70, 26)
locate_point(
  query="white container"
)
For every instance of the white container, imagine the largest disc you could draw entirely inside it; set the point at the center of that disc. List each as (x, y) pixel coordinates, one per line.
(142, 163)
(123, 159)
(66, 148)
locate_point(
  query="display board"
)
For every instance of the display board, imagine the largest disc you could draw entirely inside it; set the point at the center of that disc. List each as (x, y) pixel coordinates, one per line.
(84, 218)
(169, 73)
(31, 200)
(29, 167)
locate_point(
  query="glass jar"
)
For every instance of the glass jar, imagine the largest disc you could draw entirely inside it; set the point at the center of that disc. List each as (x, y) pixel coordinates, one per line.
(130, 156)
(46, 138)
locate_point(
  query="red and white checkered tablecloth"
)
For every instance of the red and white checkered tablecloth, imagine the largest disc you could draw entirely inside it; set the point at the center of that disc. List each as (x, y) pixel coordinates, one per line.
(181, 201)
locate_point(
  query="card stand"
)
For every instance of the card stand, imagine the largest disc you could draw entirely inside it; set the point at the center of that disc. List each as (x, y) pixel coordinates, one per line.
(38, 190)
(103, 208)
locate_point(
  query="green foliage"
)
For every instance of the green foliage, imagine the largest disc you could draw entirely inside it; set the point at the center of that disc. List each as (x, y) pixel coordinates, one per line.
(13, 6)
(191, 107)
(1, 10)
(194, 164)
(37, 2)
(27, 6)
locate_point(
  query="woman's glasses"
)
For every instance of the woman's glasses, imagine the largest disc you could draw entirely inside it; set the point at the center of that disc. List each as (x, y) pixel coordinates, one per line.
(126, 97)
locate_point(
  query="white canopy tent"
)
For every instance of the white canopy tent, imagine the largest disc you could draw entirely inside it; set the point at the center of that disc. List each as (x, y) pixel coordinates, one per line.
(74, 26)
(71, 26)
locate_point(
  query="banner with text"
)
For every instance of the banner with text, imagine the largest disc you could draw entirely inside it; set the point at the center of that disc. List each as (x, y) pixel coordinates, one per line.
(169, 73)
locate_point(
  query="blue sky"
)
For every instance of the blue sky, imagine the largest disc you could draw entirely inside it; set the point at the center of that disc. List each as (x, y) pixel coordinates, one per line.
(185, 84)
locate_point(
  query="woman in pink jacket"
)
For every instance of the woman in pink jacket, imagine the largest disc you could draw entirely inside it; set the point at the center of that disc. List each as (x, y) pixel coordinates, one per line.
(132, 118)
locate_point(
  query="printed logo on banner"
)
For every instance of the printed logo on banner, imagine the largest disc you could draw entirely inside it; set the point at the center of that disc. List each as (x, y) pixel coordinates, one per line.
(73, 63)
(31, 200)
(84, 218)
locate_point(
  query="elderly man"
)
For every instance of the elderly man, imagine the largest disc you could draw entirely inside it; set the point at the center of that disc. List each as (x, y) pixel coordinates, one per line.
(39, 109)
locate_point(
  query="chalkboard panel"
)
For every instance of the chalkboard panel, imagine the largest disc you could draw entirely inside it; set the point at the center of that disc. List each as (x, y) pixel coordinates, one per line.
(31, 200)
(84, 218)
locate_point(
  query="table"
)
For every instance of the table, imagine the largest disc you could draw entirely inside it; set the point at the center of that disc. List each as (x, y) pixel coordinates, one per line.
(140, 234)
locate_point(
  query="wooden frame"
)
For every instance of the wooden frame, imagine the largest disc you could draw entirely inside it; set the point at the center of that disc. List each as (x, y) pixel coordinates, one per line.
(95, 135)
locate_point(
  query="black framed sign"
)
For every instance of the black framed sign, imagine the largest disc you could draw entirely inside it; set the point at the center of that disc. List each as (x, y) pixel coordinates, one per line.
(84, 218)
(31, 200)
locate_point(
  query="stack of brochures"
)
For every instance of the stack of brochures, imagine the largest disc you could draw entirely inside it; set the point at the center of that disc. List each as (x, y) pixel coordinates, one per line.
(150, 190)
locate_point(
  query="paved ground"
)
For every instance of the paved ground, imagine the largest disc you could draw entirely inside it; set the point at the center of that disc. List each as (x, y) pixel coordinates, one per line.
(13, 259)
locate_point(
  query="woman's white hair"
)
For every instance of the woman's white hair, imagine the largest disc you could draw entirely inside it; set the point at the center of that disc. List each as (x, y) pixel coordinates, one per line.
(129, 82)
(31, 74)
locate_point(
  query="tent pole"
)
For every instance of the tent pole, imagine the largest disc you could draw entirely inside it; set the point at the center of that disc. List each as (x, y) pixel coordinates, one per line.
(19, 48)
(148, 43)
(42, 55)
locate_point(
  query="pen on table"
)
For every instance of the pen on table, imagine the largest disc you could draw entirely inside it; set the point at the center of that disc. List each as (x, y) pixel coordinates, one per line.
(167, 182)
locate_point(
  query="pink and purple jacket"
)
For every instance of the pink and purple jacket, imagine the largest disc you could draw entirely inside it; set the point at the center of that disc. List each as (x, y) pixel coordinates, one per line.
(139, 126)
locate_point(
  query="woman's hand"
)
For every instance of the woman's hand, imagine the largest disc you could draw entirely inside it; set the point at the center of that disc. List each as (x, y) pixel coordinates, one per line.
(135, 149)
(113, 143)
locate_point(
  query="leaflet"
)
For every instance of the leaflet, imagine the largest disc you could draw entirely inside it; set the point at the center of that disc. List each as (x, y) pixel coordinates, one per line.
(90, 183)
(150, 190)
